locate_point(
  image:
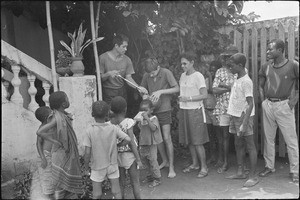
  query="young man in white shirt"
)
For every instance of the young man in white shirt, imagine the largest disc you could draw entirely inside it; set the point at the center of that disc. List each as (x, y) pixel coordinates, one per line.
(241, 110)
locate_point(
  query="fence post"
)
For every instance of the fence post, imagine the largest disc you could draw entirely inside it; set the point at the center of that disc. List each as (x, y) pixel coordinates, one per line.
(237, 40)
(246, 45)
(254, 69)
(291, 40)
(282, 146)
(263, 59)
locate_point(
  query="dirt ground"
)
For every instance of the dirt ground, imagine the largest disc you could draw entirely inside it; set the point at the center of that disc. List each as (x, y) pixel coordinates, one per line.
(214, 186)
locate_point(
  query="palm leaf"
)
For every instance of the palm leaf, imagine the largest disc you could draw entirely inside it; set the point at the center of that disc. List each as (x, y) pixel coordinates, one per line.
(72, 43)
(88, 43)
(66, 46)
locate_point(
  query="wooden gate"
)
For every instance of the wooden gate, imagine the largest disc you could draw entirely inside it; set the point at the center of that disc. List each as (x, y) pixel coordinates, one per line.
(251, 39)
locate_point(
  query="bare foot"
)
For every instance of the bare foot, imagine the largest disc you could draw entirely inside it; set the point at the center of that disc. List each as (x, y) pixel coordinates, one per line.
(163, 164)
(172, 173)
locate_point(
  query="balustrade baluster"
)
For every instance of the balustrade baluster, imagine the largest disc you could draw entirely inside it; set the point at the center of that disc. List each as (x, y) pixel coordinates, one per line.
(4, 89)
(32, 92)
(46, 87)
(16, 82)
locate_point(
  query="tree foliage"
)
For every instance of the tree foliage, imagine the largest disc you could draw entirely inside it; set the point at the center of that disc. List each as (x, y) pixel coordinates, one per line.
(160, 28)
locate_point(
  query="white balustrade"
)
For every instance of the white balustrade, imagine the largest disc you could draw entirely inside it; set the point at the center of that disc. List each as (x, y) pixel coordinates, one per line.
(32, 92)
(4, 89)
(46, 87)
(16, 82)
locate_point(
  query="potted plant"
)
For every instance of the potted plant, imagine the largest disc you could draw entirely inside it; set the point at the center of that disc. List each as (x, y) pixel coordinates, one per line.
(63, 63)
(76, 49)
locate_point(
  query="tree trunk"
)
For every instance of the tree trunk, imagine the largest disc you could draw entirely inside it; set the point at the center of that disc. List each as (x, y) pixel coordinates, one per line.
(51, 46)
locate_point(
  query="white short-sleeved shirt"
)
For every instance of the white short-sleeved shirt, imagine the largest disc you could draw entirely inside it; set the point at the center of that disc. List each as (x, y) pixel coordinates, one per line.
(242, 88)
(190, 86)
(102, 138)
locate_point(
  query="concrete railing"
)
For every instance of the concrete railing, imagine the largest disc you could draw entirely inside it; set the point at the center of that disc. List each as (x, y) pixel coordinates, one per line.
(32, 67)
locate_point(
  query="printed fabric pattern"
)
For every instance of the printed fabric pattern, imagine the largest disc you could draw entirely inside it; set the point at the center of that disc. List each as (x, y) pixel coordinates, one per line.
(124, 126)
(222, 76)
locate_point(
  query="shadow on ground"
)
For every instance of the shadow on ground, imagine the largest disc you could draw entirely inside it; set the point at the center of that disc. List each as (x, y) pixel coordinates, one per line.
(214, 186)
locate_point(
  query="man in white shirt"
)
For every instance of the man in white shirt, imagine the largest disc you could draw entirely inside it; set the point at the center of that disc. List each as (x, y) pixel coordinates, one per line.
(241, 111)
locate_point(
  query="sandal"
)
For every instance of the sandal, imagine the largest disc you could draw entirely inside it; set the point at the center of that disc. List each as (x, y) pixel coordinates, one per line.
(190, 168)
(202, 174)
(222, 169)
(236, 176)
(251, 182)
(155, 183)
(148, 179)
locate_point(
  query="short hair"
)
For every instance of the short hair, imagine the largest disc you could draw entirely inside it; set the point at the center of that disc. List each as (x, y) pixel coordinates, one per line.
(42, 113)
(279, 44)
(118, 105)
(100, 109)
(147, 102)
(216, 63)
(56, 99)
(119, 39)
(150, 64)
(239, 58)
(190, 56)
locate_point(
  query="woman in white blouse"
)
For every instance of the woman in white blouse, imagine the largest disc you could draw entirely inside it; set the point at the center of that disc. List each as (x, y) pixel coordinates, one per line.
(192, 127)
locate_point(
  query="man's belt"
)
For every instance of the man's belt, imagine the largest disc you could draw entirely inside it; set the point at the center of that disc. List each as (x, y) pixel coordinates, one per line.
(276, 99)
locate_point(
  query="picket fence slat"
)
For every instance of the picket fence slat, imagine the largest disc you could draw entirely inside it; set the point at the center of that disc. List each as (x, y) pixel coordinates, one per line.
(291, 41)
(254, 71)
(246, 45)
(272, 33)
(263, 56)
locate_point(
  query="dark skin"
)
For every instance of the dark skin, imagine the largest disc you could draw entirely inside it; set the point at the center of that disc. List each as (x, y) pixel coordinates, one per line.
(279, 59)
(97, 186)
(42, 145)
(133, 170)
(224, 137)
(44, 131)
(239, 69)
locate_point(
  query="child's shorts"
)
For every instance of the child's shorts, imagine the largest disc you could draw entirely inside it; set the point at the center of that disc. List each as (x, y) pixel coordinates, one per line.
(210, 118)
(47, 182)
(125, 159)
(164, 117)
(236, 122)
(111, 172)
(224, 120)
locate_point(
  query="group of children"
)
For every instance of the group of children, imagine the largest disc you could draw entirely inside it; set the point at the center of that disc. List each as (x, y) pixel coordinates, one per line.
(111, 147)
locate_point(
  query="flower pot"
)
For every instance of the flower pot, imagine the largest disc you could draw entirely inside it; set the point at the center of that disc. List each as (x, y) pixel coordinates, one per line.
(64, 71)
(77, 66)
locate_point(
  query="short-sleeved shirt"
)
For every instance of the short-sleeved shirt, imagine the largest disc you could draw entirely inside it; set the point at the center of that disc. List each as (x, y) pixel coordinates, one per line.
(223, 75)
(279, 82)
(163, 80)
(242, 88)
(190, 86)
(108, 64)
(148, 137)
(126, 124)
(102, 138)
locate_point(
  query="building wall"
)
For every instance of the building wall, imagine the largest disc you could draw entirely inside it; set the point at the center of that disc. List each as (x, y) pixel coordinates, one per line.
(29, 37)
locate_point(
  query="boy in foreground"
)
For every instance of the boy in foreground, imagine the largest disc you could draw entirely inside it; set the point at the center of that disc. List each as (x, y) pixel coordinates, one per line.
(241, 110)
(101, 148)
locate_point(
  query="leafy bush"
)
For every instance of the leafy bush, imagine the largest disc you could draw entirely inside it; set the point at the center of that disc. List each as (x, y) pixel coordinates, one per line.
(23, 185)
